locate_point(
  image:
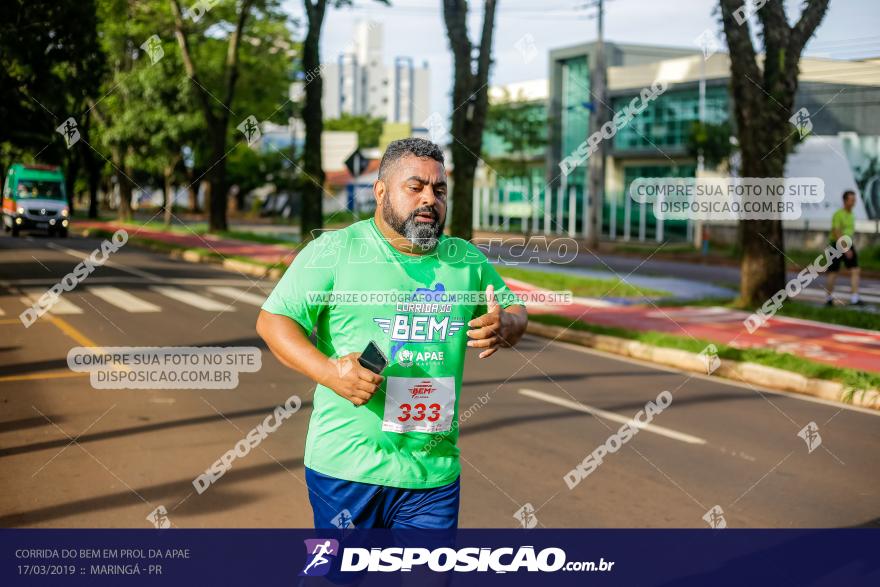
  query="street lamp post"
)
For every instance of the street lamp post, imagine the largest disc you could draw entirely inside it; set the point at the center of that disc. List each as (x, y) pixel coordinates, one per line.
(599, 116)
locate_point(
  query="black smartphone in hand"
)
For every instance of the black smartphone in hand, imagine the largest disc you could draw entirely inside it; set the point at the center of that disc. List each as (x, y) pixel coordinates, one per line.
(373, 358)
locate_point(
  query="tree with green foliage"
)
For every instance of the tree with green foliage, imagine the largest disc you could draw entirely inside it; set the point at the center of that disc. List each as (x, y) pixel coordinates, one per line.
(216, 86)
(250, 169)
(712, 141)
(522, 126)
(369, 129)
(49, 60)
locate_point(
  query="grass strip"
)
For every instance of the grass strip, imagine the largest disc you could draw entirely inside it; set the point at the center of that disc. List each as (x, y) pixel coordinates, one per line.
(581, 286)
(852, 378)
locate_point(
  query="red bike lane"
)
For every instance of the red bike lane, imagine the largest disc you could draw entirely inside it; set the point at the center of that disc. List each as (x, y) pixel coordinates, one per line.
(841, 346)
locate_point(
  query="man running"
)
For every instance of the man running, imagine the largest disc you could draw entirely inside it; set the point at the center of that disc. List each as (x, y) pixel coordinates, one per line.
(320, 550)
(843, 223)
(383, 448)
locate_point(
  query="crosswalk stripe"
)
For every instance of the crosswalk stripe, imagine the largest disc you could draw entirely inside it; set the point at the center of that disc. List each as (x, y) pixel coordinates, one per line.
(239, 295)
(122, 299)
(193, 299)
(61, 306)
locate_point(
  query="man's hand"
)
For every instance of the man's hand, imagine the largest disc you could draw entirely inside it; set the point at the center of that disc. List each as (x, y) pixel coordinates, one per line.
(352, 381)
(497, 327)
(290, 343)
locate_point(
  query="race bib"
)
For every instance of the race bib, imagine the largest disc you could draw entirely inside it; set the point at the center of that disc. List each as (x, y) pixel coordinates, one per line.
(419, 404)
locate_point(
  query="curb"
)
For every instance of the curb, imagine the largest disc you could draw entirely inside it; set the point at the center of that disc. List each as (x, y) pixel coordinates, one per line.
(687, 361)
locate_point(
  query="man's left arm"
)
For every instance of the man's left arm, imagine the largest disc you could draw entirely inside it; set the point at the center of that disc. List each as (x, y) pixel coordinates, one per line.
(498, 327)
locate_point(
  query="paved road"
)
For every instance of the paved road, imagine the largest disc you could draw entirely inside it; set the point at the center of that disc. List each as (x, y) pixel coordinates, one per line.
(73, 456)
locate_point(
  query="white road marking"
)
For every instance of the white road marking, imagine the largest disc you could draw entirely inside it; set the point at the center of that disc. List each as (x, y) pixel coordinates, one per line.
(61, 305)
(193, 299)
(122, 279)
(579, 407)
(123, 299)
(80, 255)
(239, 295)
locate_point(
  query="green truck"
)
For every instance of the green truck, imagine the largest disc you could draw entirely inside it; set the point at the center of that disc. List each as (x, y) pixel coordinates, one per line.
(34, 198)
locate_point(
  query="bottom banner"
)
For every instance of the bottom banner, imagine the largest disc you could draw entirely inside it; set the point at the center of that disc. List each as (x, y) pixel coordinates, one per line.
(831, 557)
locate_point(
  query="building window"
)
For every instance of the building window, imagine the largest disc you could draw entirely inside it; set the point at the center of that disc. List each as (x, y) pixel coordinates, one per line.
(667, 121)
(575, 114)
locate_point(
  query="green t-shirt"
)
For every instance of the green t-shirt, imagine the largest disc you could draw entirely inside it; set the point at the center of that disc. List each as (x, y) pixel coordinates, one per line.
(411, 306)
(844, 222)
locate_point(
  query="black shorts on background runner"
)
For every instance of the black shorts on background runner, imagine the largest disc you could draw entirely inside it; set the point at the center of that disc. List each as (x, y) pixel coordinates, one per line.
(849, 263)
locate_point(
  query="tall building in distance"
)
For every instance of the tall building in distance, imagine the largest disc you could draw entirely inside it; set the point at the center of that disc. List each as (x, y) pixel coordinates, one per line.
(360, 83)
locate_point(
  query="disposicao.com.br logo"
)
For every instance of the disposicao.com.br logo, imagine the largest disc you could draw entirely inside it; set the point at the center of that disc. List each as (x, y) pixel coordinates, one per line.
(466, 559)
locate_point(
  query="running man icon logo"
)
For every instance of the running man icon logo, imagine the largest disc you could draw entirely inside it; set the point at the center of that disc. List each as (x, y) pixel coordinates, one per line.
(526, 47)
(250, 128)
(708, 43)
(709, 357)
(320, 553)
(810, 434)
(715, 518)
(69, 131)
(526, 516)
(153, 48)
(343, 520)
(159, 518)
(801, 121)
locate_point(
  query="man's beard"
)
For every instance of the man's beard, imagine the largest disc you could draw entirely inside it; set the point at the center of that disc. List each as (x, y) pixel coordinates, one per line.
(424, 235)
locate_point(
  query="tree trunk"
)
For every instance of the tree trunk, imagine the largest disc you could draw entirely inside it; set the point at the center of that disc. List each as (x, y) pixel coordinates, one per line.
(193, 190)
(312, 180)
(94, 183)
(168, 176)
(763, 99)
(73, 165)
(93, 173)
(217, 201)
(461, 223)
(470, 97)
(124, 210)
(762, 272)
(205, 188)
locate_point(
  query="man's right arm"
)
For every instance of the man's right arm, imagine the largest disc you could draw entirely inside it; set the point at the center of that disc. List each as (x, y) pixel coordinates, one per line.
(288, 342)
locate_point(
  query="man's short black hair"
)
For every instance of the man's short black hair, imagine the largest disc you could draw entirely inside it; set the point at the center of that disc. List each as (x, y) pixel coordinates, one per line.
(847, 193)
(409, 146)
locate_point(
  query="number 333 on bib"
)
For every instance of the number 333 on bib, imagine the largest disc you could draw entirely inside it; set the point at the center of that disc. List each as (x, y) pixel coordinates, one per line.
(419, 404)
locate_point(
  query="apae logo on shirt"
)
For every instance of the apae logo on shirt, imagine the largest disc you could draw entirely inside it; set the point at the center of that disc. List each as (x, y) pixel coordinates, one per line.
(407, 358)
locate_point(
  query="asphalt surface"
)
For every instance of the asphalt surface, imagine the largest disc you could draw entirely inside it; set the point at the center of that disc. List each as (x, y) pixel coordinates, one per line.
(74, 456)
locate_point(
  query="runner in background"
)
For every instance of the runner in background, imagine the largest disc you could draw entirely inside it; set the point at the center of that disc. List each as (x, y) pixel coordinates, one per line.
(843, 222)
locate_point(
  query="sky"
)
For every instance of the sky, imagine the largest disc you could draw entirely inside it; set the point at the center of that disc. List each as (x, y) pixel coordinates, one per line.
(415, 28)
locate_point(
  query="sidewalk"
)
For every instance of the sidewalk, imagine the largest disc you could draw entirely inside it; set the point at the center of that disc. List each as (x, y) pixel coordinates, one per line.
(841, 346)
(227, 247)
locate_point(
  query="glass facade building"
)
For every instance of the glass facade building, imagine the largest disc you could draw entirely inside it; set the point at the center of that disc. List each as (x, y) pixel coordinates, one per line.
(666, 122)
